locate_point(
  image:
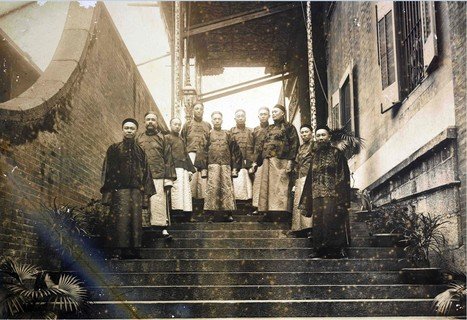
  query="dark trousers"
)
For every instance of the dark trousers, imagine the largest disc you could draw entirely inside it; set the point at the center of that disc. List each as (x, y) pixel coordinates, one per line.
(125, 228)
(329, 226)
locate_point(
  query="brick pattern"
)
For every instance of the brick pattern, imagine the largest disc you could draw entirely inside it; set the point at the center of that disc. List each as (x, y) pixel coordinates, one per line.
(457, 22)
(66, 164)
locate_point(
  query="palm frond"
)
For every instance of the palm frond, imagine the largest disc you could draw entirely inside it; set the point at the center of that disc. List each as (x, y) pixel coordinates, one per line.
(69, 294)
(12, 303)
(19, 271)
(347, 142)
(444, 301)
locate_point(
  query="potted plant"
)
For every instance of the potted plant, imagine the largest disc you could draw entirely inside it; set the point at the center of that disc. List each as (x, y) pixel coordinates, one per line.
(28, 292)
(452, 301)
(385, 226)
(422, 235)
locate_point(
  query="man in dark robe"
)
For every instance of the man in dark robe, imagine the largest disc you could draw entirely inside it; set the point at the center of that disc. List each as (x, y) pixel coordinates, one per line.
(259, 133)
(194, 133)
(278, 152)
(243, 187)
(326, 197)
(161, 164)
(127, 186)
(219, 160)
(181, 202)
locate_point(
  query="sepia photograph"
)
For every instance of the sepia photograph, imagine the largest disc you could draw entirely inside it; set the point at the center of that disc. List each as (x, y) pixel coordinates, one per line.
(233, 159)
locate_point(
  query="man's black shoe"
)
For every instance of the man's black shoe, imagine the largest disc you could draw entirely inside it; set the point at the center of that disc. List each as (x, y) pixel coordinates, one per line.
(230, 219)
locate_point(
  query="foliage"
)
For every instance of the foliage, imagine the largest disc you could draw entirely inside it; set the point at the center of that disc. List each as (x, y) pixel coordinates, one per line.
(422, 233)
(65, 230)
(96, 217)
(365, 200)
(29, 293)
(347, 142)
(453, 298)
(387, 220)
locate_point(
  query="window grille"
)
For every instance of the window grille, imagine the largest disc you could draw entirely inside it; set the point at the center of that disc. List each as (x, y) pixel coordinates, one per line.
(412, 66)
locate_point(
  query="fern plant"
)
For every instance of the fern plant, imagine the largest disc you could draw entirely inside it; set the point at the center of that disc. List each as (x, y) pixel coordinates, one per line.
(451, 300)
(27, 292)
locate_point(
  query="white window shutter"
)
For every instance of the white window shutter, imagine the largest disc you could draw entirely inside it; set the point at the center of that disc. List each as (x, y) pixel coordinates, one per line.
(430, 39)
(391, 90)
(334, 111)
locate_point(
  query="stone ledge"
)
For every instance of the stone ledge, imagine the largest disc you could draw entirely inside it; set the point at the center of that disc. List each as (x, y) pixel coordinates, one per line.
(449, 133)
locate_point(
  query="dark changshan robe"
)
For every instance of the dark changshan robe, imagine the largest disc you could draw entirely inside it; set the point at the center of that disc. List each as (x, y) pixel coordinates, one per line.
(181, 191)
(220, 155)
(259, 133)
(326, 197)
(280, 145)
(159, 155)
(127, 186)
(243, 187)
(302, 165)
(194, 133)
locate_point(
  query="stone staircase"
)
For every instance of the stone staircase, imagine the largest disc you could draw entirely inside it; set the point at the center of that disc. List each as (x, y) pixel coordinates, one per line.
(252, 269)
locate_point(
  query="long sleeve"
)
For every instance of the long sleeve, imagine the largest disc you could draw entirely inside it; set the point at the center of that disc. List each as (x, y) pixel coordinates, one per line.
(342, 180)
(236, 158)
(105, 176)
(148, 185)
(294, 142)
(189, 163)
(169, 161)
(201, 161)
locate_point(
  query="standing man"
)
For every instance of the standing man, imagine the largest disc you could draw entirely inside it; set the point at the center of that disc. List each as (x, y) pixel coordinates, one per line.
(181, 191)
(159, 155)
(278, 152)
(259, 133)
(243, 136)
(326, 197)
(127, 186)
(195, 133)
(220, 160)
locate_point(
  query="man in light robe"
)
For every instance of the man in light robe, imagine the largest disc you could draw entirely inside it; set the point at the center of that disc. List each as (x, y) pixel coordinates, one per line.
(277, 155)
(219, 160)
(194, 133)
(127, 186)
(259, 134)
(243, 187)
(159, 155)
(181, 202)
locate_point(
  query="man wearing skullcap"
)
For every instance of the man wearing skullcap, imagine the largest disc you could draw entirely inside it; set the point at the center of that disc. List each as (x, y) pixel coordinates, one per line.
(194, 133)
(277, 154)
(243, 186)
(127, 186)
(259, 134)
(300, 223)
(219, 160)
(326, 197)
(159, 155)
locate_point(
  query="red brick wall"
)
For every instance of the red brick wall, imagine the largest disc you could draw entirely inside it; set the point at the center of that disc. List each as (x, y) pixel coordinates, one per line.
(65, 162)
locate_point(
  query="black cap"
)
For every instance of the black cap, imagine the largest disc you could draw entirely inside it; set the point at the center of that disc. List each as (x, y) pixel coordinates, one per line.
(130, 120)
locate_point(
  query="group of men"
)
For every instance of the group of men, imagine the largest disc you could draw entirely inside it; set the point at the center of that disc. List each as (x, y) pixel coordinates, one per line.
(147, 177)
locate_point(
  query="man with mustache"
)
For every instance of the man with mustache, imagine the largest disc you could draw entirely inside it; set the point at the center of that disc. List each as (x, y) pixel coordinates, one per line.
(326, 197)
(161, 164)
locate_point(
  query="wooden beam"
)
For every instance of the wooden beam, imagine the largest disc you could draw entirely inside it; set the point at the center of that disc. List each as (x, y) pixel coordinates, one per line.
(236, 19)
(240, 87)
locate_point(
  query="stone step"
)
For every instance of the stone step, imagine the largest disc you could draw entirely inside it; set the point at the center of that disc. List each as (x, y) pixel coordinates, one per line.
(151, 242)
(261, 308)
(222, 234)
(228, 226)
(246, 278)
(250, 265)
(237, 218)
(261, 253)
(263, 292)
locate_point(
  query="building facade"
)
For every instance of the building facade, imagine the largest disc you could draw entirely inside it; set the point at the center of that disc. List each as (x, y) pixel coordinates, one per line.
(396, 77)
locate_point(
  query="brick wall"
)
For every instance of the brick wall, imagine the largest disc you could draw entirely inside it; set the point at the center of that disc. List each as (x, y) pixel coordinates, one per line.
(458, 36)
(64, 162)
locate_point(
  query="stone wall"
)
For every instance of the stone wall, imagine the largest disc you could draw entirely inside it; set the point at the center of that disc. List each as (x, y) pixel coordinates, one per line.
(52, 149)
